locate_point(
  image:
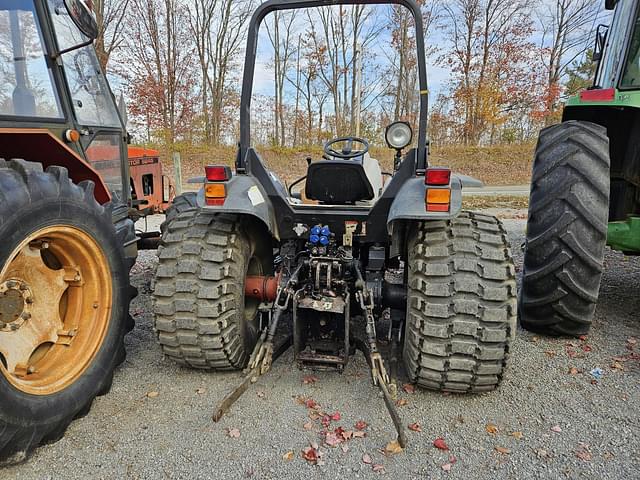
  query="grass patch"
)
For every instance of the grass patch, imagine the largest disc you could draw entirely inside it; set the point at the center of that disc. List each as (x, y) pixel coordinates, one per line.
(483, 202)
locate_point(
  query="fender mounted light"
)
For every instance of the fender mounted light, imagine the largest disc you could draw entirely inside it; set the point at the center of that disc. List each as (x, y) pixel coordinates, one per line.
(217, 173)
(437, 176)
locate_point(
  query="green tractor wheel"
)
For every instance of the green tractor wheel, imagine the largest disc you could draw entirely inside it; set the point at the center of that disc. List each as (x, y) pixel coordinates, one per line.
(566, 229)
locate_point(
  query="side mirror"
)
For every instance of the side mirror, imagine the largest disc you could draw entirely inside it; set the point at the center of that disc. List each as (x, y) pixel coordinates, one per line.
(83, 17)
(601, 38)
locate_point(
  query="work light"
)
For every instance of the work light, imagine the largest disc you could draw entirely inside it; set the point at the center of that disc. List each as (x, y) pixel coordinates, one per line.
(398, 135)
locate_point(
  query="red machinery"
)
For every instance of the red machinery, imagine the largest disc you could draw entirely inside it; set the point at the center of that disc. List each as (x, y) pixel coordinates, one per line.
(151, 190)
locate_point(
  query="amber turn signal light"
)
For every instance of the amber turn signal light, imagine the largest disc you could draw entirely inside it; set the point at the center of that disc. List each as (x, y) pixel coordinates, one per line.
(215, 190)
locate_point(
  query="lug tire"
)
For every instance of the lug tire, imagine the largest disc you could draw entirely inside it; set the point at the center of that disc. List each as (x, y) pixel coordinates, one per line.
(199, 298)
(461, 304)
(566, 229)
(32, 199)
(182, 203)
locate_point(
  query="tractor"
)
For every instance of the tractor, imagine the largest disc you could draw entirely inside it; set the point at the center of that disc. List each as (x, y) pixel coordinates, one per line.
(67, 242)
(254, 265)
(585, 186)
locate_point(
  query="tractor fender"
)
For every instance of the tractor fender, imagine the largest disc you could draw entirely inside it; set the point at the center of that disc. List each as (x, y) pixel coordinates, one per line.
(245, 197)
(409, 202)
(39, 145)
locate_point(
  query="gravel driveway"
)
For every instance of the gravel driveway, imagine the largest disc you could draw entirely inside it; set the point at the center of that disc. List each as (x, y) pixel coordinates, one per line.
(550, 419)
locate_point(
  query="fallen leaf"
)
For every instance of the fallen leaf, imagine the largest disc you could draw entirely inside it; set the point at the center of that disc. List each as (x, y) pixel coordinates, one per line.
(326, 420)
(308, 426)
(336, 417)
(310, 403)
(314, 415)
(309, 379)
(288, 456)
(586, 348)
(574, 371)
(392, 448)
(153, 394)
(310, 454)
(260, 394)
(200, 391)
(556, 428)
(447, 467)
(503, 450)
(401, 402)
(359, 434)
(366, 458)
(517, 435)
(378, 468)
(491, 429)
(409, 388)
(347, 435)
(542, 453)
(550, 353)
(233, 432)
(583, 338)
(632, 341)
(440, 443)
(415, 427)
(332, 439)
(361, 425)
(584, 454)
(535, 339)
(617, 366)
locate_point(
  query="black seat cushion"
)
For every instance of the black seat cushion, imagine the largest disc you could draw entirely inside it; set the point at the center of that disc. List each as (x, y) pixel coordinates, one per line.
(338, 182)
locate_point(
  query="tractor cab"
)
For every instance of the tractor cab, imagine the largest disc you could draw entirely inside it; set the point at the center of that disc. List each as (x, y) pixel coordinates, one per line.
(53, 90)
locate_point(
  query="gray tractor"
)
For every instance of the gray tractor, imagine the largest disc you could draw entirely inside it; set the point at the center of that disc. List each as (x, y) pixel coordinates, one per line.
(352, 261)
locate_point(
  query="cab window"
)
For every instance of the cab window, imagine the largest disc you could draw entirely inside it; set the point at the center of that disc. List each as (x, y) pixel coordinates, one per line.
(631, 76)
(90, 94)
(26, 83)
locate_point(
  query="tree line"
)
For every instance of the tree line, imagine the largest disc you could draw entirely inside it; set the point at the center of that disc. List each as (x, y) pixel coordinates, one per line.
(509, 63)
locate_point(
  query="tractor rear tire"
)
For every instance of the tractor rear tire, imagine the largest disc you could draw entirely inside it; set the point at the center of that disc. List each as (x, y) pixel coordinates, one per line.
(461, 304)
(180, 204)
(202, 317)
(50, 228)
(566, 229)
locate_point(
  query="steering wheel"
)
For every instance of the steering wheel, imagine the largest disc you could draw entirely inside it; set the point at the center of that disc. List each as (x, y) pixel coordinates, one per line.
(347, 152)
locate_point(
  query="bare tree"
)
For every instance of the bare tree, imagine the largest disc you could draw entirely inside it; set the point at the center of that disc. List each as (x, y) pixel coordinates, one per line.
(281, 31)
(110, 16)
(160, 65)
(566, 27)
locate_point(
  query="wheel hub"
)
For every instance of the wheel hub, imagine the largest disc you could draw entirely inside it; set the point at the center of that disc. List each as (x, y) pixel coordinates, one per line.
(55, 304)
(16, 299)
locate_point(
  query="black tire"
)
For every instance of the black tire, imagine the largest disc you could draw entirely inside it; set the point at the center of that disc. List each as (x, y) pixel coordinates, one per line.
(461, 305)
(201, 316)
(31, 199)
(566, 229)
(182, 203)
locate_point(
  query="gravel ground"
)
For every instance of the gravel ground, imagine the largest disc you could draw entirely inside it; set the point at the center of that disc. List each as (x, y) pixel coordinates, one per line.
(566, 424)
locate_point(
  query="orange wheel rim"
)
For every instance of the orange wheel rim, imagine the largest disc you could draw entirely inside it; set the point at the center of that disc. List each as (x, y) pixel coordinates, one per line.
(55, 308)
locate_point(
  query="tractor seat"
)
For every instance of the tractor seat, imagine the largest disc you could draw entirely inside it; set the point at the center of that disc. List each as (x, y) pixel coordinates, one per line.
(342, 182)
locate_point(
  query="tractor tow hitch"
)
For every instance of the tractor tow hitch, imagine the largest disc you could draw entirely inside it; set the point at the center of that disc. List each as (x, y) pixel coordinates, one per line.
(250, 377)
(264, 353)
(379, 374)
